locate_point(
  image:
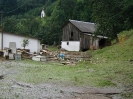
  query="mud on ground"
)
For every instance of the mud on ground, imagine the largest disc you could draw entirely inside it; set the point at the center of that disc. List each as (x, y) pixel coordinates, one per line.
(10, 88)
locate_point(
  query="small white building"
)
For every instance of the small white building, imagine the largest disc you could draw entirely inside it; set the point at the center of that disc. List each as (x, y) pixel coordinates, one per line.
(71, 45)
(42, 13)
(7, 38)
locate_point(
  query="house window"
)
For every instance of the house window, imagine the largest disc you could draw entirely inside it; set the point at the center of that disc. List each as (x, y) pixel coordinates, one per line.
(67, 43)
(71, 36)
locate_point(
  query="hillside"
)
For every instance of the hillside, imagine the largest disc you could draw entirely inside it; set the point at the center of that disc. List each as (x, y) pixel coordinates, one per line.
(114, 65)
(117, 58)
(23, 17)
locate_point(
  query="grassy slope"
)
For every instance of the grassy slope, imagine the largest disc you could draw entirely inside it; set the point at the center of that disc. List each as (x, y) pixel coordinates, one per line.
(114, 61)
(110, 66)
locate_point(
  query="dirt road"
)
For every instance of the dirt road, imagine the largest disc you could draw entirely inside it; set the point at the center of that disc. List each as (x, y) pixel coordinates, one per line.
(10, 88)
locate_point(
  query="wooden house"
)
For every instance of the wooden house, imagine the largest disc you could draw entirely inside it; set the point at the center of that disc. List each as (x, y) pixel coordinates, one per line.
(79, 35)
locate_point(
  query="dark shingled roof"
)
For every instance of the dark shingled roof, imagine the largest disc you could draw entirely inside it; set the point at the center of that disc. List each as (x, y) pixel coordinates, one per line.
(84, 26)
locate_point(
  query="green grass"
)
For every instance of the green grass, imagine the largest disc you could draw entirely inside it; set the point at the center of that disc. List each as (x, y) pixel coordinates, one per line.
(82, 74)
(53, 48)
(109, 66)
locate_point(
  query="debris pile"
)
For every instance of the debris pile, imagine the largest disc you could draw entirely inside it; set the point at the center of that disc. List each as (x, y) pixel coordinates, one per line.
(64, 57)
(71, 58)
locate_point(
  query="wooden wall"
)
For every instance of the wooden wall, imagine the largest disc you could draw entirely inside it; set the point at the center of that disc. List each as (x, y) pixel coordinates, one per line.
(85, 42)
(67, 30)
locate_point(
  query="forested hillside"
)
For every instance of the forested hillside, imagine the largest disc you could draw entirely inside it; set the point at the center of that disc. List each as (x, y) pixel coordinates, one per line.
(23, 16)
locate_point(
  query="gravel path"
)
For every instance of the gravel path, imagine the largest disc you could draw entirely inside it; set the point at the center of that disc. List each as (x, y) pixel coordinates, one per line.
(12, 89)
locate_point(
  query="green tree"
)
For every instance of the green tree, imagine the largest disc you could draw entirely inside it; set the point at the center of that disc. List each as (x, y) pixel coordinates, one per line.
(107, 16)
(62, 11)
(49, 8)
(77, 10)
(9, 24)
(82, 11)
(25, 42)
(127, 14)
(8, 5)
